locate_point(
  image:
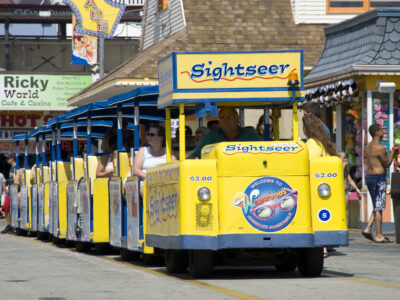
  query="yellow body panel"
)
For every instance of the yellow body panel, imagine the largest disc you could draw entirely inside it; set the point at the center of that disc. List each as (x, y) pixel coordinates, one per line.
(327, 170)
(263, 194)
(46, 204)
(172, 205)
(64, 175)
(100, 210)
(62, 209)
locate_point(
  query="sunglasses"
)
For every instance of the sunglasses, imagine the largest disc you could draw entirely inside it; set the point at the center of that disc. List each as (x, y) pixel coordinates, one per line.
(285, 203)
(151, 134)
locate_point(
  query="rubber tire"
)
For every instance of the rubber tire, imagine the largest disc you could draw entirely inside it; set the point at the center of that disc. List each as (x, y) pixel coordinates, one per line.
(42, 236)
(82, 246)
(176, 261)
(200, 263)
(20, 232)
(153, 260)
(128, 254)
(311, 262)
(288, 266)
(104, 249)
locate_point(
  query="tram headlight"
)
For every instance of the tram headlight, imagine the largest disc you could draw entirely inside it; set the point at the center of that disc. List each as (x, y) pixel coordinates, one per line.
(204, 193)
(324, 190)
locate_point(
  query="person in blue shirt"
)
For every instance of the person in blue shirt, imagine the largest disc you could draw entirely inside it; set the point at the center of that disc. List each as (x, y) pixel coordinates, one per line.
(229, 131)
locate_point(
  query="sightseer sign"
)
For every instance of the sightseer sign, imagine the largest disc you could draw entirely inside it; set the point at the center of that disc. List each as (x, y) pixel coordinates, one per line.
(39, 92)
(218, 77)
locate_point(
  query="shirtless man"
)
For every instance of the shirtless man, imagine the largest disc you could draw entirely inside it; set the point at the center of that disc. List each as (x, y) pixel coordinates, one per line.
(378, 162)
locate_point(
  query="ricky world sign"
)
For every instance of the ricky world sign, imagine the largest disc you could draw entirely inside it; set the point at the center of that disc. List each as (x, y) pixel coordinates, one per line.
(32, 86)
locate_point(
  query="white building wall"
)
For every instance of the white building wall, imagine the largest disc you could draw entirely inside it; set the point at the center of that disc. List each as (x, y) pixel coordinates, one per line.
(160, 25)
(314, 12)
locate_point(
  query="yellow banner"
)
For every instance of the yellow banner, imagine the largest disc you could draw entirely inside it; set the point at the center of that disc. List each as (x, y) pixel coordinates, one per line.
(236, 70)
(96, 17)
(224, 77)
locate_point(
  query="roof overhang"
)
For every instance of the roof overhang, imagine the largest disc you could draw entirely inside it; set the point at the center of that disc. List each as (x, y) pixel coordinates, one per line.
(358, 70)
(109, 89)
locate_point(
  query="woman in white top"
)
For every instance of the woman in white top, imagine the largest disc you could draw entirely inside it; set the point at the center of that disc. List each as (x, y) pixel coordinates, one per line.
(152, 155)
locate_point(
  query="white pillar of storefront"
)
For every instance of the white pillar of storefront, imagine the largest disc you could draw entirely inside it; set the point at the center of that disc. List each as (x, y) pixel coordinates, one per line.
(369, 120)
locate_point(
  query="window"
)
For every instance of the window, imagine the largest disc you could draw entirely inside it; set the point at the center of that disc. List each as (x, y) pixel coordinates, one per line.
(357, 6)
(162, 4)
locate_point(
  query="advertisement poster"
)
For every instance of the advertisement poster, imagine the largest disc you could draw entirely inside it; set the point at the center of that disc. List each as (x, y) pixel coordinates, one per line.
(39, 92)
(115, 212)
(132, 202)
(34, 207)
(84, 48)
(380, 115)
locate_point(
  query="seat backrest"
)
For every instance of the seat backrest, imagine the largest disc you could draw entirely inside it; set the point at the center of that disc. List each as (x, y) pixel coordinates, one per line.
(92, 163)
(78, 167)
(64, 171)
(124, 164)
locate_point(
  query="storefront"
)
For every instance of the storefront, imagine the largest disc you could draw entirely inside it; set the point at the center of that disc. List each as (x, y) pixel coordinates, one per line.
(356, 79)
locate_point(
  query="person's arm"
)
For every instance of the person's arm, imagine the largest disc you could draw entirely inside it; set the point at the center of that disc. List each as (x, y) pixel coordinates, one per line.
(138, 164)
(18, 177)
(173, 157)
(385, 159)
(353, 184)
(101, 167)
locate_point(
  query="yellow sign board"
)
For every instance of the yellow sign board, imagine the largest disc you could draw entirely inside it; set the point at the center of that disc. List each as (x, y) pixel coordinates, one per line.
(96, 17)
(198, 77)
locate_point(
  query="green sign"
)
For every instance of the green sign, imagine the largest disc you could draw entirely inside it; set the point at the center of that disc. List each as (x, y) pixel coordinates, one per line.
(39, 92)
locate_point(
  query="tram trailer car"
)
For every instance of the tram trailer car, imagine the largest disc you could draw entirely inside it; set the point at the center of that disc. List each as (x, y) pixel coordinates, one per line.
(246, 203)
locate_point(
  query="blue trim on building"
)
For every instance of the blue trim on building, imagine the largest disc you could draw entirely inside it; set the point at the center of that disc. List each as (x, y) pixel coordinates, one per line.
(331, 238)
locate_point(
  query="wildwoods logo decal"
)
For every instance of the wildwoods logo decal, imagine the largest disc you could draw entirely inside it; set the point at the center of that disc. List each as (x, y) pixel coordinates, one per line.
(269, 204)
(207, 72)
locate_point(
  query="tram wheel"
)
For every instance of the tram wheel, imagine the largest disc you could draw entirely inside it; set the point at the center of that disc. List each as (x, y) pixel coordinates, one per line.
(128, 255)
(176, 261)
(311, 261)
(19, 231)
(288, 266)
(82, 246)
(200, 263)
(42, 236)
(153, 260)
(104, 248)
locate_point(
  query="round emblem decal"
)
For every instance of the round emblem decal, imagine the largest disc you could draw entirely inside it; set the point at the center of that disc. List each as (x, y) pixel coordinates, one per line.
(269, 204)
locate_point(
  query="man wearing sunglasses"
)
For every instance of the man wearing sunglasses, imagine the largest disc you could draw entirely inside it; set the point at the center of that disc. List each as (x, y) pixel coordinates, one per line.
(229, 131)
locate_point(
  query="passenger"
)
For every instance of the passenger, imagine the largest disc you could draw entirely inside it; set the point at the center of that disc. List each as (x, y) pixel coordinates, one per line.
(229, 131)
(105, 168)
(348, 181)
(189, 139)
(152, 155)
(6, 206)
(200, 133)
(213, 125)
(318, 143)
(260, 127)
(315, 109)
(2, 194)
(378, 161)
